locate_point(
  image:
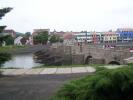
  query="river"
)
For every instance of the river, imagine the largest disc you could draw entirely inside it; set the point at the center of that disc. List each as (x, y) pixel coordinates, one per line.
(21, 61)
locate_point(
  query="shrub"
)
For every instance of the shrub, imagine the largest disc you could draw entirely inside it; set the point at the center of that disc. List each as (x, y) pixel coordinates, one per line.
(116, 84)
(4, 57)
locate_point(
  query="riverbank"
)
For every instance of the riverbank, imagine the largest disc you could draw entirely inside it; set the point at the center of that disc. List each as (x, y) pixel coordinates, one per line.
(10, 48)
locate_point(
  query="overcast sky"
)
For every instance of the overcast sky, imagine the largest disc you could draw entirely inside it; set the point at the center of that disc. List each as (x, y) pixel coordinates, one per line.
(68, 15)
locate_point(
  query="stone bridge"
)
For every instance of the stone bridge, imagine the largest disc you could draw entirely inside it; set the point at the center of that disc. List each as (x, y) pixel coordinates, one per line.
(85, 54)
(99, 55)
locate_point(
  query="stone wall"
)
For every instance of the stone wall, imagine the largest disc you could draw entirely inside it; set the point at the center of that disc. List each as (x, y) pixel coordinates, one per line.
(78, 59)
(79, 54)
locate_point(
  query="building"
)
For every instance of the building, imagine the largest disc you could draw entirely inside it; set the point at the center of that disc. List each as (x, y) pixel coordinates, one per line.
(38, 31)
(17, 41)
(60, 34)
(88, 37)
(83, 37)
(109, 37)
(125, 34)
(68, 38)
(9, 32)
(96, 37)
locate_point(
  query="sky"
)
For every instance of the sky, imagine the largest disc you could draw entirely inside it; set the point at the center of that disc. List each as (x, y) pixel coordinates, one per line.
(68, 15)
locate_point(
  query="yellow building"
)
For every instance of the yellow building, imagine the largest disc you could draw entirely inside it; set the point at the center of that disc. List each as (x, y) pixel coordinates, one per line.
(110, 37)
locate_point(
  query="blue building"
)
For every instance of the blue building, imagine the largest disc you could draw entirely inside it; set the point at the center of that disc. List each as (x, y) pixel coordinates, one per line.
(125, 34)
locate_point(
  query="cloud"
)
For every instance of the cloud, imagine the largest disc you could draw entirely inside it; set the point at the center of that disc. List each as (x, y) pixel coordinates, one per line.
(68, 14)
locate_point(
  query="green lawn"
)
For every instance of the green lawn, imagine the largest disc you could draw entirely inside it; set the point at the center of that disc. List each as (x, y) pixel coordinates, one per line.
(11, 47)
(98, 67)
(63, 66)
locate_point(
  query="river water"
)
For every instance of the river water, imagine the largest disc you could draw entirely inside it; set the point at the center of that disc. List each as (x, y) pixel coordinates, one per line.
(21, 61)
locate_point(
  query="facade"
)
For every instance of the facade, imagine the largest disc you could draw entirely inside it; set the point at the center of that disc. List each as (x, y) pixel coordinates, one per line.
(60, 34)
(83, 37)
(96, 37)
(9, 32)
(110, 37)
(17, 41)
(88, 37)
(121, 35)
(125, 34)
(69, 38)
(38, 31)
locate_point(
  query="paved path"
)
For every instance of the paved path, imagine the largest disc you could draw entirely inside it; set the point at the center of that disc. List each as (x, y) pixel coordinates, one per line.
(38, 71)
(33, 87)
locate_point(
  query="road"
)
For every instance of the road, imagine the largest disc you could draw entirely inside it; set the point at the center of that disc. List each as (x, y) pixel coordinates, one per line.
(33, 87)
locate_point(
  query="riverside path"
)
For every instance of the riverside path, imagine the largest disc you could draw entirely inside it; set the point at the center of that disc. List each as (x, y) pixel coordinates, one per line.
(38, 71)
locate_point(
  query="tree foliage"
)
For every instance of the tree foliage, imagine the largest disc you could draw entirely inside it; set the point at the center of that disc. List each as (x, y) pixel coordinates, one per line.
(9, 40)
(116, 84)
(27, 34)
(41, 38)
(3, 11)
(19, 34)
(55, 38)
(4, 57)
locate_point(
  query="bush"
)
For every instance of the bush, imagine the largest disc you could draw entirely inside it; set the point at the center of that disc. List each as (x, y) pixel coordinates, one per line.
(4, 57)
(116, 84)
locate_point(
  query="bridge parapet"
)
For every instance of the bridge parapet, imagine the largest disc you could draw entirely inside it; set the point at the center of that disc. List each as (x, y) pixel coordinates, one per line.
(96, 54)
(108, 55)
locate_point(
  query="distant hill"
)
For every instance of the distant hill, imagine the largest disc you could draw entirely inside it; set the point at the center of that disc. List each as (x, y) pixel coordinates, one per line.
(19, 34)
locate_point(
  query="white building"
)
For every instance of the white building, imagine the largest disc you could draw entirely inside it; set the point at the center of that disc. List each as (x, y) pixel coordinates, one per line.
(69, 38)
(83, 37)
(17, 41)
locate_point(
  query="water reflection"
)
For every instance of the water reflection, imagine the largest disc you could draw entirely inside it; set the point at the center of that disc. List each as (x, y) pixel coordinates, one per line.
(21, 61)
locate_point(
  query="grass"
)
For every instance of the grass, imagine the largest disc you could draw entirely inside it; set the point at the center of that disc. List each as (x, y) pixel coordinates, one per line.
(63, 66)
(130, 64)
(9, 68)
(98, 67)
(11, 47)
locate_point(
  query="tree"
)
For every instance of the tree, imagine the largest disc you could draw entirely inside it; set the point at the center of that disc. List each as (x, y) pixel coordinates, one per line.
(9, 40)
(27, 34)
(55, 38)
(3, 56)
(19, 34)
(3, 11)
(41, 38)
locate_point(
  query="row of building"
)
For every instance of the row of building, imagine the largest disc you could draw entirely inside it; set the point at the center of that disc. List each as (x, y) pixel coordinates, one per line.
(120, 35)
(96, 37)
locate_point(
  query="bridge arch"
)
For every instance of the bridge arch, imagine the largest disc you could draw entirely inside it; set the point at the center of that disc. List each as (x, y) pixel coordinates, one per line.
(114, 63)
(88, 59)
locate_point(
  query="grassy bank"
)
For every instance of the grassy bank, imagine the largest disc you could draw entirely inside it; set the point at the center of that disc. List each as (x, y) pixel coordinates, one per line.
(98, 67)
(9, 48)
(63, 66)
